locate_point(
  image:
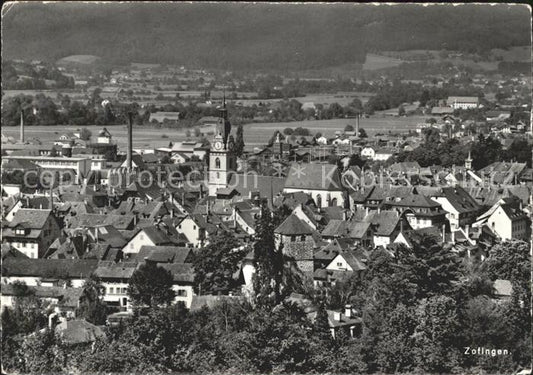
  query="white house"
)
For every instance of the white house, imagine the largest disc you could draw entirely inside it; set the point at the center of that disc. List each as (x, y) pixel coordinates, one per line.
(463, 102)
(104, 136)
(368, 152)
(383, 154)
(193, 227)
(151, 236)
(506, 219)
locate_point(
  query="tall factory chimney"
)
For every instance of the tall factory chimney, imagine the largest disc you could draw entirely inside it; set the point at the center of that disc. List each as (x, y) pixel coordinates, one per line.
(357, 125)
(21, 126)
(130, 141)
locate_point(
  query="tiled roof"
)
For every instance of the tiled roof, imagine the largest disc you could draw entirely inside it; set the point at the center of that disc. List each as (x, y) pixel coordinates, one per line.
(335, 228)
(358, 229)
(79, 331)
(384, 221)
(310, 176)
(293, 226)
(460, 199)
(181, 272)
(267, 186)
(69, 268)
(111, 270)
(353, 261)
(416, 200)
(31, 218)
(164, 254)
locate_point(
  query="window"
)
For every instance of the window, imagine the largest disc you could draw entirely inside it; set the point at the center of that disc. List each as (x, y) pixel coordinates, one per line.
(302, 238)
(293, 238)
(111, 290)
(217, 163)
(194, 227)
(131, 245)
(339, 264)
(181, 293)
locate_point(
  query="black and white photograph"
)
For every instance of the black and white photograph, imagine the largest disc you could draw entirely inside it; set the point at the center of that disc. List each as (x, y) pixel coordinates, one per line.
(266, 188)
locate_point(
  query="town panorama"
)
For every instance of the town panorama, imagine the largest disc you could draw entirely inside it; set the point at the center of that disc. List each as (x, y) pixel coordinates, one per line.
(266, 188)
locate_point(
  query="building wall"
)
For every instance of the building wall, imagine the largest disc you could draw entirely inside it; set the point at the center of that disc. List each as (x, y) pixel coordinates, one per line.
(451, 214)
(184, 293)
(298, 211)
(505, 228)
(299, 249)
(338, 195)
(116, 292)
(381, 241)
(191, 230)
(28, 248)
(248, 271)
(339, 264)
(135, 244)
(243, 224)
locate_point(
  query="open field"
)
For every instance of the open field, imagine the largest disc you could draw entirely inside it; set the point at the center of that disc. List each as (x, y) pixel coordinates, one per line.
(376, 62)
(254, 134)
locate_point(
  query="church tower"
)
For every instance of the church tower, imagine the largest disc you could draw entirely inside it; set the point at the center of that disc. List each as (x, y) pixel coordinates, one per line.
(468, 162)
(222, 160)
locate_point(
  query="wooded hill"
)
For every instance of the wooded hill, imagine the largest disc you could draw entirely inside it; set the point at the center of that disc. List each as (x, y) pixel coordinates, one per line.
(254, 36)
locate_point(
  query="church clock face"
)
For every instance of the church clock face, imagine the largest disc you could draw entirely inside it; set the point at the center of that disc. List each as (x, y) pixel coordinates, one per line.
(218, 145)
(230, 145)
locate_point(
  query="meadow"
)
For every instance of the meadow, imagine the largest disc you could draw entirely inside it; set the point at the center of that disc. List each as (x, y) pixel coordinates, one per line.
(255, 134)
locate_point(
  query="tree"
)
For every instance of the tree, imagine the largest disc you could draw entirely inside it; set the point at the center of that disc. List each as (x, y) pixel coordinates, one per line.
(485, 151)
(269, 262)
(151, 285)
(216, 263)
(401, 110)
(301, 131)
(288, 131)
(362, 133)
(239, 142)
(348, 128)
(437, 346)
(197, 132)
(85, 134)
(92, 308)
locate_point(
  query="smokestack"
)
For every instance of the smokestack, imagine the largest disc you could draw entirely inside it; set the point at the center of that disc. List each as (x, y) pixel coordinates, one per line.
(357, 125)
(21, 126)
(130, 141)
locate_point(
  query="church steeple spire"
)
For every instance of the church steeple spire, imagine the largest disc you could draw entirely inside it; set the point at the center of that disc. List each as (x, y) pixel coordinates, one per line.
(468, 160)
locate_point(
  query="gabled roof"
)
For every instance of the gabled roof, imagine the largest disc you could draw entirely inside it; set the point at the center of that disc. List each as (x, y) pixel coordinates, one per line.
(267, 186)
(79, 331)
(416, 200)
(31, 218)
(352, 261)
(311, 176)
(69, 268)
(358, 229)
(460, 199)
(164, 254)
(9, 251)
(384, 222)
(335, 228)
(293, 226)
(181, 272)
(111, 270)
